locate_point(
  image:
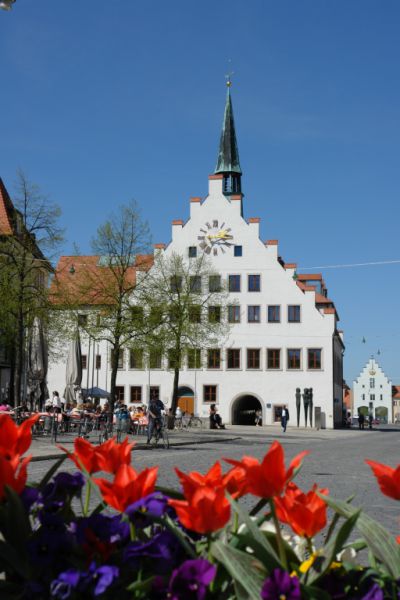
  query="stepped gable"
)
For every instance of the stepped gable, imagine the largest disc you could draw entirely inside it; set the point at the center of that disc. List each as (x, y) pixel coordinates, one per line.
(7, 211)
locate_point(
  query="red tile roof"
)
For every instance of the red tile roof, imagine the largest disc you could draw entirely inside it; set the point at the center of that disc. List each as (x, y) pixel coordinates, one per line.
(7, 211)
(81, 280)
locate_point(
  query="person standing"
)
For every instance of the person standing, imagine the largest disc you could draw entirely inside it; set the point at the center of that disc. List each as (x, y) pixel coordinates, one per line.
(361, 421)
(258, 418)
(284, 418)
(155, 414)
(56, 402)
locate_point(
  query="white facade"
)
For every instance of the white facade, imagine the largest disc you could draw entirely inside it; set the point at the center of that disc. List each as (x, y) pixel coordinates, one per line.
(315, 334)
(372, 392)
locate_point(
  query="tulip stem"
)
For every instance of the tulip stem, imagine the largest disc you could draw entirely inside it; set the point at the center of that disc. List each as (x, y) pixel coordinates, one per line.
(279, 539)
(132, 530)
(87, 497)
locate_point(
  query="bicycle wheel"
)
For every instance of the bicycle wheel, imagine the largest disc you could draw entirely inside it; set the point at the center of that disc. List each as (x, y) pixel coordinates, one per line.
(196, 422)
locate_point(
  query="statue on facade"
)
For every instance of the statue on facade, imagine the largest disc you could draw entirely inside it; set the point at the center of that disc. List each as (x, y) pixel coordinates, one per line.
(298, 404)
(306, 402)
(310, 398)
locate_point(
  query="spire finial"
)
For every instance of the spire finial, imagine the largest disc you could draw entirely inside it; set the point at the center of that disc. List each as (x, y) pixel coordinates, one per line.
(228, 76)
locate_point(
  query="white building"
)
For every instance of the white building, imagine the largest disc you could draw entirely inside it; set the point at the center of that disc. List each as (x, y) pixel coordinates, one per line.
(372, 393)
(284, 334)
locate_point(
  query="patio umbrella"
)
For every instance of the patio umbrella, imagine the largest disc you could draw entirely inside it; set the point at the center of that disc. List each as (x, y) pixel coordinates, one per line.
(37, 365)
(74, 369)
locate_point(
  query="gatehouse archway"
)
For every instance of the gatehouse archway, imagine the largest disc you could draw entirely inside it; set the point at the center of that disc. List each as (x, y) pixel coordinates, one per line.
(186, 399)
(244, 409)
(381, 413)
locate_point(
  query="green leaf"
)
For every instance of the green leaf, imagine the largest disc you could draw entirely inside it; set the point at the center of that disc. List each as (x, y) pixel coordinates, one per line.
(51, 472)
(12, 561)
(143, 585)
(257, 540)
(313, 593)
(244, 569)
(15, 525)
(11, 591)
(171, 493)
(381, 543)
(332, 548)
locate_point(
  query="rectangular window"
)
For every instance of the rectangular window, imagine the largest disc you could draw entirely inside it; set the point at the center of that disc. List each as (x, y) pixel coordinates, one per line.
(254, 282)
(233, 357)
(155, 359)
(192, 251)
(154, 392)
(274, 314)
(234, 283)
(84, 361)
(82, 320)
(120, 393)
(238, 251)
(294, 358)
(195, 313)
(176, 284)
(253, 314)
(381, 397)
(363, 396)
(214, 283)
(137, 315)
(136, 358)
(253, 358)
(136, 393)
(273, 358)
(214, 358)
(194, 358)
(372, 382)
(195, 284)
(314, 356)
(98, 361)
(234, 314)
(214, 314)
(210, 393)
(173, 359)
(294, 313)
(372, 397)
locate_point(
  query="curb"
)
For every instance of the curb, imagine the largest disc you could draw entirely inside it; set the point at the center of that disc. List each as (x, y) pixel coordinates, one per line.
(141, 446)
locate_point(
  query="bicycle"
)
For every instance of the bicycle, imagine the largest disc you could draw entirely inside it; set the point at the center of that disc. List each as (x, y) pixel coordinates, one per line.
(193, 421)
(159, 434)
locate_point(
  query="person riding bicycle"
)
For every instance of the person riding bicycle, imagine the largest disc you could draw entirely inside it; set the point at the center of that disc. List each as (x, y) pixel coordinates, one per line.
(155, 416)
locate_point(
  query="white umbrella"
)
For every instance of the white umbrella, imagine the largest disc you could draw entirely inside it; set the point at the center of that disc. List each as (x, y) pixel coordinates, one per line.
(37, 365)
(74, 369)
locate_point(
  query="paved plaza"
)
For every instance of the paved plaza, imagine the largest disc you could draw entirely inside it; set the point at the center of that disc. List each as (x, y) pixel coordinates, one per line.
(336, 459)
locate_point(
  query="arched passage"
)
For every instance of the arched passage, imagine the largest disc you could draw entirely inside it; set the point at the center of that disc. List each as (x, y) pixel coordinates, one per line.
(381, 413)
(244, 410)
(186, 399)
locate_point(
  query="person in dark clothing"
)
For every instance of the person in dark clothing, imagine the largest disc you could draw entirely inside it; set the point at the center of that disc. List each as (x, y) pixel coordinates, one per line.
(284, 418)
(215, 418)
(155, 414)
(370, 419)
(361, 421)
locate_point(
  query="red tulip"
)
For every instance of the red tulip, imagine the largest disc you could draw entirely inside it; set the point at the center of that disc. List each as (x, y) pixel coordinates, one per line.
(305, 513)
(235, 482)
(15, 439)
(85, 456)
(268, 478)
(205, 509)
(128, 486)
(112, 455)
(191, 481)
(388, 478)
(13, 473)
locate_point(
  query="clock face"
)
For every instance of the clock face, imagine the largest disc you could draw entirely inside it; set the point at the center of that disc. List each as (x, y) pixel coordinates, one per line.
(215, 237)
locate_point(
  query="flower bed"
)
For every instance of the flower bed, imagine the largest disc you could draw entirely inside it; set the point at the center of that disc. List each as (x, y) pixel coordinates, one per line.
(142, 541)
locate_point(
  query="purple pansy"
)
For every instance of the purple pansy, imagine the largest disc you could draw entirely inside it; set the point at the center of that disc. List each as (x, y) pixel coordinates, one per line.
(29, 497)
(142, 512)
(104, 577)
(62, 587)
(163, 547)
(279, 584)
(191, 579)
(106, 529)
(375, 593)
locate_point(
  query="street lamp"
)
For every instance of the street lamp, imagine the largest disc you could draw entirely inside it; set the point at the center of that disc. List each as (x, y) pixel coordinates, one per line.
(6, 4)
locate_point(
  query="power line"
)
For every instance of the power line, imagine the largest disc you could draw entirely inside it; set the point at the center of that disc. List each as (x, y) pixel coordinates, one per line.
(347, 266)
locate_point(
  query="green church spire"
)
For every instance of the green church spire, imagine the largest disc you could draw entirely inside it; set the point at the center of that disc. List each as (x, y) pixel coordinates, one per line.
(228, 156)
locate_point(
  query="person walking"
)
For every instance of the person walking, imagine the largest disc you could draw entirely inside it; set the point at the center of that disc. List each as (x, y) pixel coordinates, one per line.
(284, 418)
(361, 421)
(155, 414)
(370, 419)
(258, 418)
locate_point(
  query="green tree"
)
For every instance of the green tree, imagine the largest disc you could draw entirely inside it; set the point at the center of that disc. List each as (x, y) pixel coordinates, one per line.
(186, 302)
(24, 271)
(102, 291)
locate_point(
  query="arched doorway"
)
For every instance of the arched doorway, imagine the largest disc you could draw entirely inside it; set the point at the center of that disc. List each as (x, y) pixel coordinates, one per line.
(186, 399)
(381, 413)
(363, 410)
(244, 410)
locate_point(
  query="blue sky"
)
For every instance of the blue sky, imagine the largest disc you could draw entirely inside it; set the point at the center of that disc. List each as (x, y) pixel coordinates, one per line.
(107, 101)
